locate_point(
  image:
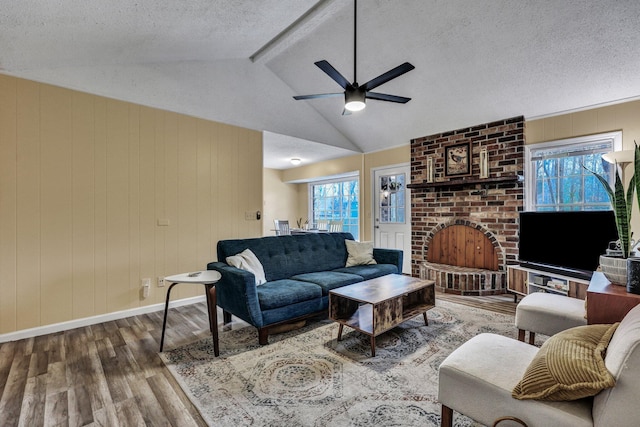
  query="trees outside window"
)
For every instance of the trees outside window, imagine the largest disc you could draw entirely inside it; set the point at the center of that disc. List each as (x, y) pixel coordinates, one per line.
(558, 176)
(336, 200)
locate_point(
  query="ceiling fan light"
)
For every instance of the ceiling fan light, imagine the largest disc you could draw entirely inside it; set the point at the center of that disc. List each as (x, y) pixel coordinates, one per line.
(354, 100)
(355, 105)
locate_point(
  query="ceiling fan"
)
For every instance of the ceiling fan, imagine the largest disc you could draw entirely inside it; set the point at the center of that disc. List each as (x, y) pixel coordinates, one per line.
(354, 94)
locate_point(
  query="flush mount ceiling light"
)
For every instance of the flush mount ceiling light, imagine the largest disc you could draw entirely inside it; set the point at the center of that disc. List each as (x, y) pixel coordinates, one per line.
(295, 161)
(354, 100)
(355, 94)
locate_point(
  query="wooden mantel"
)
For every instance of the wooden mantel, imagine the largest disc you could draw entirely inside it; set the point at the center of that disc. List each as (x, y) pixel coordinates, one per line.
(464, 182)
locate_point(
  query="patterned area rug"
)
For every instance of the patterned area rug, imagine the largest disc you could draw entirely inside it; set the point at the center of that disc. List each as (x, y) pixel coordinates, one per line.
(307, 378)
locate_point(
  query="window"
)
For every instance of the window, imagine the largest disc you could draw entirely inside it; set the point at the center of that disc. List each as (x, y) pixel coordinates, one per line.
(556, 179)
(392, 199)
(336, 200)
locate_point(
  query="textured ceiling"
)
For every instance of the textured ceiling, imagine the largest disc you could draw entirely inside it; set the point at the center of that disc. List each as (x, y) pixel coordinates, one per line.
(241, 61)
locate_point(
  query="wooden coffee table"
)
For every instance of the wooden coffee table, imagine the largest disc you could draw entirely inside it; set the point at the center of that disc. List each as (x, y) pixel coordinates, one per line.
(377, 305)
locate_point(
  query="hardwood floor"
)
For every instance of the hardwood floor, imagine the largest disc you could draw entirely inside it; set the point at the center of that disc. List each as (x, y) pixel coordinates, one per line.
(110, 374)
(107, 374)
(499, 303)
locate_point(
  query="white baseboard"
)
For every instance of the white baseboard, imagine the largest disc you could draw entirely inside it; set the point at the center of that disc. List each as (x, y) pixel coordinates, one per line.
(107, 317)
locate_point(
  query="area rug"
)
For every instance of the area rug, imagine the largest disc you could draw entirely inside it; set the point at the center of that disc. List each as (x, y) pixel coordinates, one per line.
(308, 378)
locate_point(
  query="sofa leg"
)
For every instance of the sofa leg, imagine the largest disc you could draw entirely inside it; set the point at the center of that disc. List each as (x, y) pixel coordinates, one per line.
(532, 338)
(263, 336)
(446, 417)
(521, 335)
(226, 317)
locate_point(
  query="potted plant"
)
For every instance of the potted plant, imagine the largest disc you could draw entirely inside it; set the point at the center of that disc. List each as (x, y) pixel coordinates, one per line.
(614, 263)
(633, 263)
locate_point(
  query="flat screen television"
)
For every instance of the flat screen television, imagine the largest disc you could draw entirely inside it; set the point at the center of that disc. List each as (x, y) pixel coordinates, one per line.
(568, 243)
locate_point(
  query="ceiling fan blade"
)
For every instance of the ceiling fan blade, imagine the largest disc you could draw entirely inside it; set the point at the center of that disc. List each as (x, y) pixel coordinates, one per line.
(317, 95)
(346, 112)
(389, 75)
(333, 73)
(385, 97)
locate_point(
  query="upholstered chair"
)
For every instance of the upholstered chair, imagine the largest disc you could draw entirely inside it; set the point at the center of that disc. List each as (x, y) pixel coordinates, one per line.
(478, 378)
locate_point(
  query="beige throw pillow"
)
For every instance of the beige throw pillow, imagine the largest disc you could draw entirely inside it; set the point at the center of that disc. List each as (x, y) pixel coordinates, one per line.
(359, 253)
(569, 366)
(247, 260)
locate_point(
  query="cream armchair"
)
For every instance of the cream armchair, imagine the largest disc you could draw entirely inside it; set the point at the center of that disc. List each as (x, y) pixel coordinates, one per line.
(478, 377)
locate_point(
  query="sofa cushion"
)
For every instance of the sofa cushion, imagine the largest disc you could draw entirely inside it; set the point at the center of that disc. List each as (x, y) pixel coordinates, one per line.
(280, 293)
(328, 280)
(359, 253)
(569, 366)
(370, 271)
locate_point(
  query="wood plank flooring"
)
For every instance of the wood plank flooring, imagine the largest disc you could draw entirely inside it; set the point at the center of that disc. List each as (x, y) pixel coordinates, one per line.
(107, 374)
(499, 303)
(110, 374)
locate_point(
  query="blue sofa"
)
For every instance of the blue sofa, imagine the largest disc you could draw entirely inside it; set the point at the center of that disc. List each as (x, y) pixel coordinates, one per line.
(300, 271)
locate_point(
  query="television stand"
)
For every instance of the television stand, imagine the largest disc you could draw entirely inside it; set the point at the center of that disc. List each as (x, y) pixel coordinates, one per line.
(524, 280)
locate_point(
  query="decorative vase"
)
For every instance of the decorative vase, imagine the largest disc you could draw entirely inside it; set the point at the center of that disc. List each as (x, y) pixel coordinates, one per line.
(614, 269)
(633, 275)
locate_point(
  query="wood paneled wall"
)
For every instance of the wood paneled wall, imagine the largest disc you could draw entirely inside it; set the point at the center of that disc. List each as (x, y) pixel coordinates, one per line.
(85, 182)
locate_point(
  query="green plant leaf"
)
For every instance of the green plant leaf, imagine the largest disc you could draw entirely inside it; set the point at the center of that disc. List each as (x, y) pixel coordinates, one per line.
(636, 167)
(622, 211)
(621, 207)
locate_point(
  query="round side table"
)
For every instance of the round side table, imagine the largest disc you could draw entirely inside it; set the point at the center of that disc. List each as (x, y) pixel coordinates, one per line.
(208, 278)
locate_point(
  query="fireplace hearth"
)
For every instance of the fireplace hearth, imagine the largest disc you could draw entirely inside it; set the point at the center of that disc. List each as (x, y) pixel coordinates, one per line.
(464, 258)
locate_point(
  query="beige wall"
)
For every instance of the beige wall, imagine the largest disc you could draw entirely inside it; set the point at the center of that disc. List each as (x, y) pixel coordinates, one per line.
(360, 163)
(83, 182)
(280, 201)
(624, 117)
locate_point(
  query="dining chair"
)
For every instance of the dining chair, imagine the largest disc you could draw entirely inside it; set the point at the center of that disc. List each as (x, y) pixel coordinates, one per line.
(322, 225)
(335, 226)
(282, 227)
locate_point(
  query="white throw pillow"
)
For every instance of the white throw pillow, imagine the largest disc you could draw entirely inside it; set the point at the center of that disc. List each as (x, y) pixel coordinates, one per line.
(360, 253)
(247, 260)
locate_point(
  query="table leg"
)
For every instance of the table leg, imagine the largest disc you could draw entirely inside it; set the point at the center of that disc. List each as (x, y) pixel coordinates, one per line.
(340, 332)
(426, 322)
(373, 346)
(212, 303)
(166, 311)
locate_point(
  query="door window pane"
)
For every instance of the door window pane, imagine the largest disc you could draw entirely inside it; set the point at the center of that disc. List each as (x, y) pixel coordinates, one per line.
(392, 190)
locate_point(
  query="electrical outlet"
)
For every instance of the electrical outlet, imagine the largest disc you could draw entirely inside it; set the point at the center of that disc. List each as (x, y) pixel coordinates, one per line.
(146, 284)
(160, 282)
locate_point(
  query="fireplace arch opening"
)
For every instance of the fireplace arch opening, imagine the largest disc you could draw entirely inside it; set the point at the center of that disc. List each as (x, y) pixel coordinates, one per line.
(464, 257)
(464, 244)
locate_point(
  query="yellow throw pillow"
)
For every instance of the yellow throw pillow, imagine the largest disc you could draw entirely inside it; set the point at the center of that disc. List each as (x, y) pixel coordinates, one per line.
(359, 253)
(569, 366)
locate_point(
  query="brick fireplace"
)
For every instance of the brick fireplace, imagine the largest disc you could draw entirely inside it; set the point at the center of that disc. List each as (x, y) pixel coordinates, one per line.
(485, 197)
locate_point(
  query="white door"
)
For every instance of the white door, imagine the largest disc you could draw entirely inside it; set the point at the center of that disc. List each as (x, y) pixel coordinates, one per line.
(392, 211)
